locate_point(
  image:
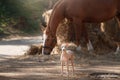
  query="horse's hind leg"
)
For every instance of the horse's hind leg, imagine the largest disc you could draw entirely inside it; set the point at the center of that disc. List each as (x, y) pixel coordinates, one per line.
(118, 43)
(78, 31)
(118, 48)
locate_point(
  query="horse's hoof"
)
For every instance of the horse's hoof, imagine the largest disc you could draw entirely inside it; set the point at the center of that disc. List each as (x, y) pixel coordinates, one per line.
(78, 48)
(117, 52)
(91, 51)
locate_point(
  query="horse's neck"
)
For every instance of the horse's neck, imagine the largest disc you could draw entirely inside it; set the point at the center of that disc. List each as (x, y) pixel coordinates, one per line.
(48, 32)
(56, 17)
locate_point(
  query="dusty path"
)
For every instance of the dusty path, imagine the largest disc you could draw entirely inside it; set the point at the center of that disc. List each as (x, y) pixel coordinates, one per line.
(87, 67)
(17, 46)
(28, 68)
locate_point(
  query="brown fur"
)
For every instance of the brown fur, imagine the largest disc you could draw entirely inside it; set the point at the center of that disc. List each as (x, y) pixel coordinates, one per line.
(79, 12)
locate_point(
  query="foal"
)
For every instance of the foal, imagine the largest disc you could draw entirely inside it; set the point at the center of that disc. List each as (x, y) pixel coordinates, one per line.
(66, 56)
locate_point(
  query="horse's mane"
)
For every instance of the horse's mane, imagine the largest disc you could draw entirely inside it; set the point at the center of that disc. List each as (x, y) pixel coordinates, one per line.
(49, 28)
(47, 13)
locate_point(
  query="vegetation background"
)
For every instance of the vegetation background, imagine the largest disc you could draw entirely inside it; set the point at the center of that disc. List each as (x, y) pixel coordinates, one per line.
(22, 16)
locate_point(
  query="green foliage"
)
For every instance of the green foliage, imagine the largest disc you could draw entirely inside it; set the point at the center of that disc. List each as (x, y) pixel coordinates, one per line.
(12, 10)
(1, 31)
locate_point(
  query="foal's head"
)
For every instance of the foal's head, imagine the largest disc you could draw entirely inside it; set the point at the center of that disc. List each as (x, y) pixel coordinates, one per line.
(49, 43)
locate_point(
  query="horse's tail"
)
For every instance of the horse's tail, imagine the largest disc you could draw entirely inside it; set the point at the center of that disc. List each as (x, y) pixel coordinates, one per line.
(57, 16)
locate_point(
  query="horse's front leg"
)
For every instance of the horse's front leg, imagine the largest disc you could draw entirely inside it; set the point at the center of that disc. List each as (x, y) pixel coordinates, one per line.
(87, 40)
(118, 48)
(118, 43)
(78, 29)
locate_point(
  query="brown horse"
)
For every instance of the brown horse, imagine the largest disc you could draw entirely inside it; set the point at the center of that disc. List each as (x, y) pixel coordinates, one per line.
(45, 19)
(78, 12)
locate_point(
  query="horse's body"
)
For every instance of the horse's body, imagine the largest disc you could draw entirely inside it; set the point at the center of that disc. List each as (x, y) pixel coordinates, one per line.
(78, 12)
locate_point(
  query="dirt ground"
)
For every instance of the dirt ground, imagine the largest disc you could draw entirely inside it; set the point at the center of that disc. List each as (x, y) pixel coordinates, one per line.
(87, 67)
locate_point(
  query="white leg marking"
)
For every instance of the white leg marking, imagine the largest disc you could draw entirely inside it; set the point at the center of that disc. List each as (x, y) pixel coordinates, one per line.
(89, 45)
(78, 48)
(102, 27)
(117, 50)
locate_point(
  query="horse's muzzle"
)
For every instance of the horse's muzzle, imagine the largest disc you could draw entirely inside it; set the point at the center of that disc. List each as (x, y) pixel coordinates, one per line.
(46, 50)
(46, 53)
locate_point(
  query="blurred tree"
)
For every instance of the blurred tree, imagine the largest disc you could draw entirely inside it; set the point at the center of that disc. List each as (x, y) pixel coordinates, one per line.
(11, 12)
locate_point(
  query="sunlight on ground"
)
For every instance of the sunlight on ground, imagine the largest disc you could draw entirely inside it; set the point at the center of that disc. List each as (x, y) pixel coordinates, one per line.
(17, 46)
(28, 68)
(13, 50)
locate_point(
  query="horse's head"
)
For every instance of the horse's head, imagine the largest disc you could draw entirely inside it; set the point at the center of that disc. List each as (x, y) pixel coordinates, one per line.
(49, 43)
